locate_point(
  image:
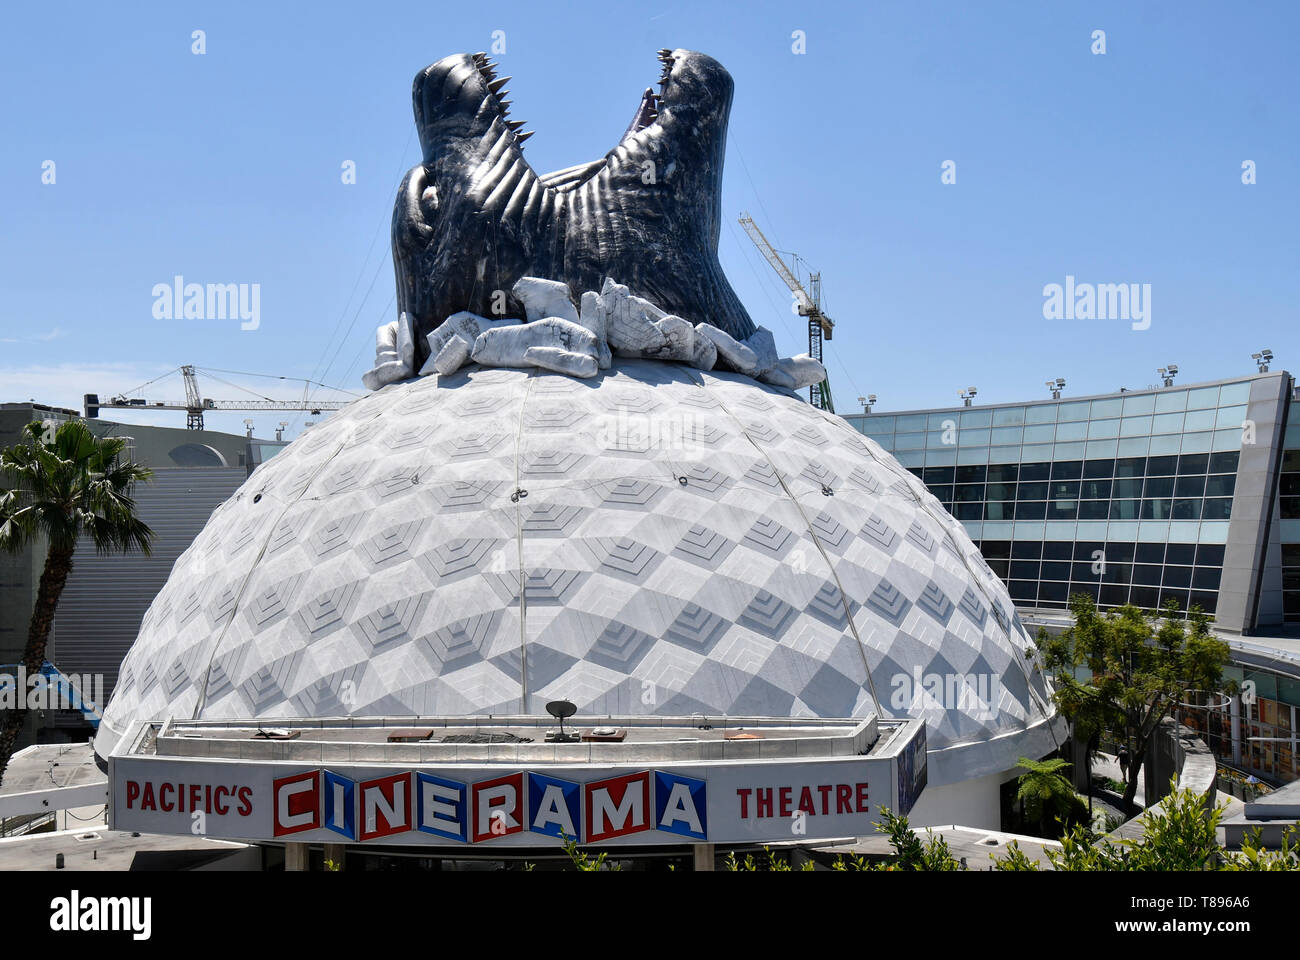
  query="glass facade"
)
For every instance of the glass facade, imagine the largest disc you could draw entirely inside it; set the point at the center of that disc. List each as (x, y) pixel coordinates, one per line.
(1127, 497)
(1289, 507)
(1257, 734)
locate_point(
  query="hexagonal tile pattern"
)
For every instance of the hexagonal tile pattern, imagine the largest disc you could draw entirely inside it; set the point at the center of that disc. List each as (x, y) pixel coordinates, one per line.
(655, 540)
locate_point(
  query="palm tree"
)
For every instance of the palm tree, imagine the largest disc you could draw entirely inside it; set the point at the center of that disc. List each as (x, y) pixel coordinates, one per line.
(63, 484)
(1043, 789)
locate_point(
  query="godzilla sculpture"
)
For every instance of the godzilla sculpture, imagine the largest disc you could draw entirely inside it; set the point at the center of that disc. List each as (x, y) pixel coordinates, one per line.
(473, 218)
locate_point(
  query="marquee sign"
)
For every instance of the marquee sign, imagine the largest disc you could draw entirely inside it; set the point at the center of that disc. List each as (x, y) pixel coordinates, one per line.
(492, 805)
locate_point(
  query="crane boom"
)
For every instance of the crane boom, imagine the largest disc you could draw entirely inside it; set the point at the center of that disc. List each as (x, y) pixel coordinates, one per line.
(820, 326)
(195, 403)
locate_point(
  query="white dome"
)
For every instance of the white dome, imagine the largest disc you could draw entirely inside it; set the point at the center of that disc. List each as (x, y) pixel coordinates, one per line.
(690, 543)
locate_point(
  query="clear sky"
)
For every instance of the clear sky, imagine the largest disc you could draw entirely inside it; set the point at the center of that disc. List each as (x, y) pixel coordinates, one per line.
(226, 167)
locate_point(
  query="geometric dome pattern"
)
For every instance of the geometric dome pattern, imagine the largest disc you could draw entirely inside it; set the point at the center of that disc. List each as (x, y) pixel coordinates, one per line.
(655, 540)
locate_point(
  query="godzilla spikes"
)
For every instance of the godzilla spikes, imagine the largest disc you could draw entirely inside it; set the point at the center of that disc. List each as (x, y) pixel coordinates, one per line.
(524, 136)
(496, 85)
(514, 124)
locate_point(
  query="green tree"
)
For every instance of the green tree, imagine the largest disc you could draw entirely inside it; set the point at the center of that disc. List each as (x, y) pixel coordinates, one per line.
(1044, 793)
(1140, 666)
(910, 853)
(62, 484)
(582, 861)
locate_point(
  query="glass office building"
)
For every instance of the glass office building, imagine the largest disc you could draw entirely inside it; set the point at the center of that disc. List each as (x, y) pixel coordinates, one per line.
(1183, 492)
(1190, 493)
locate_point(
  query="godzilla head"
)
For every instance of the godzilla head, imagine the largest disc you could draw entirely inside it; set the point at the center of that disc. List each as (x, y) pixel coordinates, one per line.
(474, 216)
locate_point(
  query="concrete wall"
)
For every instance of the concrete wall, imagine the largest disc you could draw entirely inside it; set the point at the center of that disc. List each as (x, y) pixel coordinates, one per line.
(972, 803)
(1175, 749)
(106, 597)
(1253, 513)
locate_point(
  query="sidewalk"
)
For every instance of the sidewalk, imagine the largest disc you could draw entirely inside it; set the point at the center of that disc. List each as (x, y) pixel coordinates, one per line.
(1105, 765)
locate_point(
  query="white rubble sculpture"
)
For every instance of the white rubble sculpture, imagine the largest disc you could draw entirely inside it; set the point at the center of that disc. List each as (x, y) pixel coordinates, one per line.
(580, 341)
(394, 354)
(544, 298)
(507, 346)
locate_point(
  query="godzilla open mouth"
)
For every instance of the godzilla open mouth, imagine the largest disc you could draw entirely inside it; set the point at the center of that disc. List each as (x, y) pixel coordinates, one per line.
(474, 216)
(463, 96)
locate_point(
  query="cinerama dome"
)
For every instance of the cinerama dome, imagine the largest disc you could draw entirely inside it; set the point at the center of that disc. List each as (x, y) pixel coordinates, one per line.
(656, 540)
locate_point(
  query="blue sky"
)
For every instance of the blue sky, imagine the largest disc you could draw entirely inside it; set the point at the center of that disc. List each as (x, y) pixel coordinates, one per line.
(226, 167)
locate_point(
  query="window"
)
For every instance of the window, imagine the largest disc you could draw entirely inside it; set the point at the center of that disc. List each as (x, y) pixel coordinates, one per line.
(1062, 510)
(1083, 570)
(1131, 467)
(1158, 487)
(999, 510)
(1001, 491)
(1206, 578)
(1142, 403)
(1221, 485)
(1170, 400)
(1150, 553)
(1126, 488)
(1158, 509)
(1053, 593)
(1146, 573)
(1146, 597)
(1095, 490)
(1210, 553)
(1031, 510)
(1025, 569)
(1125, 509)
(1072, 431)
(1217, 509)
(996, 549)
(1225, 462)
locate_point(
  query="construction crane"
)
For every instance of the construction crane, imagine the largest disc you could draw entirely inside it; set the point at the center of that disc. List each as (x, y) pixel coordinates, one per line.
(195, 403)
(820, 326)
